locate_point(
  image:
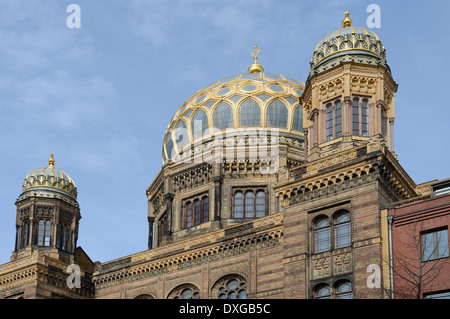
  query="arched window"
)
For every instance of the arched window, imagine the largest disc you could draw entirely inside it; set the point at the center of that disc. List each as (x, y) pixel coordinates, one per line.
(329, 112)
(298, 119)
(25, 233)
(63, 237)
(181, 135)
(343, 290)
(249, 204)
(260, 203)
(277, 114)
(185, 291)
(250, 113)
(199, 124)
(205, 204)
(355, 116)
(169, 146)
(230, 287)
(342, 230)
(239, 205)
(321, 235)
(223, 116)
(196, 211)
(323, 292)
(44, 230)
(360, 116)
(188, 214)
(333, 120)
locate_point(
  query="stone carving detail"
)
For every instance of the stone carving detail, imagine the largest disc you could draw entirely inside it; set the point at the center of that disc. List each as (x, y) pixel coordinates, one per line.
(44, 211)
(342, 264)
(192, 178)
(322, 268)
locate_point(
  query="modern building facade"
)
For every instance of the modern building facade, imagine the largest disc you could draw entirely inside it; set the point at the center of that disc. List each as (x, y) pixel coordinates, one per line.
(419, 257)
(270, 188)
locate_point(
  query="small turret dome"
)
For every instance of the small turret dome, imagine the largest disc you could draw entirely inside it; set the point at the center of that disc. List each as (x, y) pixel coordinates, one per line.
(349, 43)
(51, 179)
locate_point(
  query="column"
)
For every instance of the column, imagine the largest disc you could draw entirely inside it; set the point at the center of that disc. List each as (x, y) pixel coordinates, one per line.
(151, 221)
(169, 198)
(391, 135)
(346, 116)
(217, 197)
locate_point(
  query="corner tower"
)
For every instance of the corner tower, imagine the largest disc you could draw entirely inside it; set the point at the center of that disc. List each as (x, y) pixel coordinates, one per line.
(48, 214)
(349, 93)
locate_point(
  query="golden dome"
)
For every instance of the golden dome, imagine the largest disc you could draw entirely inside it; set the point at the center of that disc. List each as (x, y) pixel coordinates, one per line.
(348, 43)
(246, 101)
(50, 178)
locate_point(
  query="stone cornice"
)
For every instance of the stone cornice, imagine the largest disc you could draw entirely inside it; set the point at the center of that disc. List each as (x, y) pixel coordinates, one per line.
(219, 244)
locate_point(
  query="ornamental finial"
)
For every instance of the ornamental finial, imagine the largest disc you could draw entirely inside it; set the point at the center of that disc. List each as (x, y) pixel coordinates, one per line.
(255, 67)
(51, 161)
(347, 21)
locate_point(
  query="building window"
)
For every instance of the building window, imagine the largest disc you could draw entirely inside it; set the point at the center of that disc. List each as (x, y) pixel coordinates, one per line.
(342, 234)
(199, 124)
(238, 204)
(323, 292)
(63, 237)
(185, 291)
(321, 235)
(298, 119)
(250, 113)
(181, 135)
(360, 116)
(196, 211)
(435, 244)
(333, 120)
(277, 114)
(25, 233)
(249, 204)
(340, 226)
(162, 227)
(438, 295)
(231, 287)
(342, 290)
(44, 232)
(223, 116)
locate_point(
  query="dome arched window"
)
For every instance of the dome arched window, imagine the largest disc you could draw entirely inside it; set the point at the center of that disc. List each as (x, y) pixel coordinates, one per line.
(277, 114)
(181, 135)
(298, 119)
(199, 124)
(223, 116)
(250, 113)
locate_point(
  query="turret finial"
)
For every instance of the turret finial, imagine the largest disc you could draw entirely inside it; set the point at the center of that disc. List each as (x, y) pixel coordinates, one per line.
(347, 22)
(51, 161)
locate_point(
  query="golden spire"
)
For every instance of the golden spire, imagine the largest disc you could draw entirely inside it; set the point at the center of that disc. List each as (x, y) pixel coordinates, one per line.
(255, 67)
(51, 161)
(347, 21)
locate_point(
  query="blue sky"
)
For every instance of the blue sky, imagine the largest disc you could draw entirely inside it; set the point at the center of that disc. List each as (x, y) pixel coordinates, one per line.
(100, 97)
